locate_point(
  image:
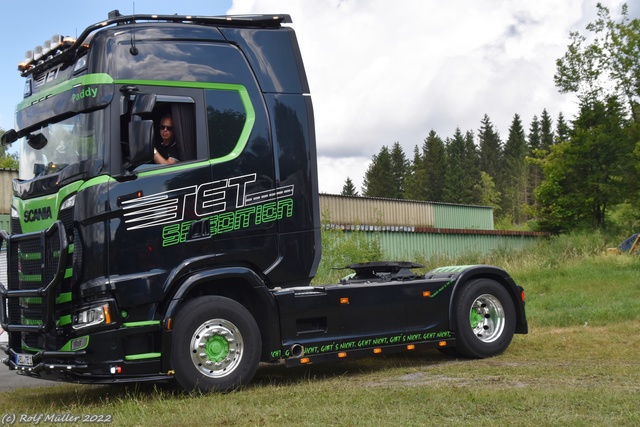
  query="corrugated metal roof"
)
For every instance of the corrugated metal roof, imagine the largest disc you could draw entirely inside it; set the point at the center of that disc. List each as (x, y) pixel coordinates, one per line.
(404, 213)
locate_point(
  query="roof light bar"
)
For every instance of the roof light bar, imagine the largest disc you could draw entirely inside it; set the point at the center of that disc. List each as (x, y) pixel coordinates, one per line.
(58, 44)
(46, 50)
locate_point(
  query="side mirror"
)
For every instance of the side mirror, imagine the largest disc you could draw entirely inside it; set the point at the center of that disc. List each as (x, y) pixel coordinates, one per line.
(37, 141)
(9, 137)
(143, 103)
(140, 143)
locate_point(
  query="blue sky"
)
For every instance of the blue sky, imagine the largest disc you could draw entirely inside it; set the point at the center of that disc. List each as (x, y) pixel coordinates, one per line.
(380, 71)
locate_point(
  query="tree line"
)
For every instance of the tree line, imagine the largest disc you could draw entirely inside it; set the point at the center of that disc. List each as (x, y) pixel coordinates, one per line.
(562, 176)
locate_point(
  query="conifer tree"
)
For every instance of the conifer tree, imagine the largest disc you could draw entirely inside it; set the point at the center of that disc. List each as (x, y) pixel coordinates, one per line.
(379, 179)
(490, 148)
(415, 188)
(546, 131)
(515, 172)
(455, 177)
(434, 167)
(471, 165)
(399, 170)
(562, 129)
(535, 171)
(348, 189)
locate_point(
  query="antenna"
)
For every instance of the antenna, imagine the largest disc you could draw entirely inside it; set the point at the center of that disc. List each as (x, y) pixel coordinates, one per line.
(133, 50)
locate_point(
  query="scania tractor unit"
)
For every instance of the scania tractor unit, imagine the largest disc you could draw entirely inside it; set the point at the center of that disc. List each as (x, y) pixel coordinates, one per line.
(119, 268)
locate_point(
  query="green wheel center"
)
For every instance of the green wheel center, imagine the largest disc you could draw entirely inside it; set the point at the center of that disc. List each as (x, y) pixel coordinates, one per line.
(475, 318)
(217, 348)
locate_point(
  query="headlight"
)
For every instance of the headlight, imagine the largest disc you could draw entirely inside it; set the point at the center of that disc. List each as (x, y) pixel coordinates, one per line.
(92, 316)
(68, 203)
(14, 212)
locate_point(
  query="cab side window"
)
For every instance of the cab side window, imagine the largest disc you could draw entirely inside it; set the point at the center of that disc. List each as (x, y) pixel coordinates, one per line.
(184, 127)
(226, 117)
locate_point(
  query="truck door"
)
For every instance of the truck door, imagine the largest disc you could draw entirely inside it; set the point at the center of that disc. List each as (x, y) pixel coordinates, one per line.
(155, 199)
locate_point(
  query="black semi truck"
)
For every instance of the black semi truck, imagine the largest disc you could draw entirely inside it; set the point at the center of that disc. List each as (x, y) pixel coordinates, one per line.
(119, 269)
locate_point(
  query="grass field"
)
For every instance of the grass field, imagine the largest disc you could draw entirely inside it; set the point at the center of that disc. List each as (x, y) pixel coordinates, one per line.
(578, 366)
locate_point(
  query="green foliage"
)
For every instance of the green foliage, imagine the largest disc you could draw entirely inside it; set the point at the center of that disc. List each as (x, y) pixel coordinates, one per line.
(515, 173)
(378, 179)
(341, 248)
(399, 170)
(605, 64)
(7, 160)
(562, 129)
(426, 178)
(490, 148)
(416, 181)
(488, 195)
(585, 175)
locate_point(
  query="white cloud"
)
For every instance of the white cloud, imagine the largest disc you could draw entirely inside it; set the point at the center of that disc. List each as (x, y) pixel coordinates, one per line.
(385, 71)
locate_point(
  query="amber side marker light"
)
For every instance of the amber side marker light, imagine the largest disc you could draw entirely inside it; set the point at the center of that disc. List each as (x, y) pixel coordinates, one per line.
(442, 344)
(426, 294)
(304, 360)
(342, 354)
(377, 351)
(107, 314)
(344, 300)
(411, 347)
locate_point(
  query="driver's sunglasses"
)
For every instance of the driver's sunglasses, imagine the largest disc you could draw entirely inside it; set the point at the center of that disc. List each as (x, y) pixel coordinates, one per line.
(163, 127)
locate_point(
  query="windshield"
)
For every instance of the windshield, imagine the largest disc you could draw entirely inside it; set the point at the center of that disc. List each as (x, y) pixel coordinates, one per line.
(57, 146)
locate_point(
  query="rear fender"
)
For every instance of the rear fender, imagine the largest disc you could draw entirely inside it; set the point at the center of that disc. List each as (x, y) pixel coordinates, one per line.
(461, 275)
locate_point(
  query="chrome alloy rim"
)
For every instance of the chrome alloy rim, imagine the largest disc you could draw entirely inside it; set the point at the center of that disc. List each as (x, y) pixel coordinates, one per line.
(216, 348)
(487, 318)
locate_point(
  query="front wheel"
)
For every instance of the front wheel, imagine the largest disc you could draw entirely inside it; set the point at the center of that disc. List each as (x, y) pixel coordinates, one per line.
(485, 319)
(216, 345)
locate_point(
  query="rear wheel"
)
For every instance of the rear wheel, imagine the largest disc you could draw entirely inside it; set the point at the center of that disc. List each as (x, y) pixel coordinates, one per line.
(485, 319)
(216, 345)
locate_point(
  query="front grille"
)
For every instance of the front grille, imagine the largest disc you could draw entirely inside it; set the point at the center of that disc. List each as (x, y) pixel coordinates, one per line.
(16, 227)
(66, 216)
(35, 264)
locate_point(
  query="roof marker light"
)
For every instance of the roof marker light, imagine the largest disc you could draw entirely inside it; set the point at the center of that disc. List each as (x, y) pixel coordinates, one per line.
(46, 47)
(56, 41)
(37, 53)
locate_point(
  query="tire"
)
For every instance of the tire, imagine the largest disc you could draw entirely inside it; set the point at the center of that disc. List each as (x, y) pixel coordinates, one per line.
(485, 319)
(216, 345)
